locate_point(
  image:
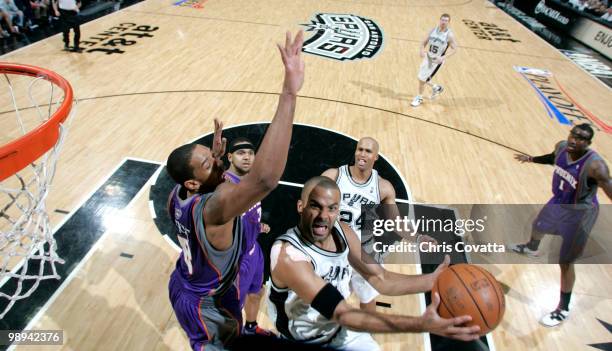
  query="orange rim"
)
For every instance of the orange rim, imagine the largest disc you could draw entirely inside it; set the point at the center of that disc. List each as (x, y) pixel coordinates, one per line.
(17, 154)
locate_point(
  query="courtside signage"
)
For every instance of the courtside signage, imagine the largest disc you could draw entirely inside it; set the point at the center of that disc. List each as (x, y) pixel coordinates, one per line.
(343, 37)
(558, 103)
(194, 4)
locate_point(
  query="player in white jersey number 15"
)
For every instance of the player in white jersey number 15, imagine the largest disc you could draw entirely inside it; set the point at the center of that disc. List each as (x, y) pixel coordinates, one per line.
(442, 45)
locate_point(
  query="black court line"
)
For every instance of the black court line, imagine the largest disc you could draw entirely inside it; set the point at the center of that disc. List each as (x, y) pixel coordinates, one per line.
(491, 50)
(203, 18)
(404, 6)
(311, 98)
(126, 255)
(303, 97)
(394, 38)
(383, 304)
(439, 343)
(61, 211)
(76, 237)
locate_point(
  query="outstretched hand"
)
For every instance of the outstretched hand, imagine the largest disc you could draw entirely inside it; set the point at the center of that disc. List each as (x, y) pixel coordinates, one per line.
(522, 158)
(292, 60)
(448, 328)
(219, 143)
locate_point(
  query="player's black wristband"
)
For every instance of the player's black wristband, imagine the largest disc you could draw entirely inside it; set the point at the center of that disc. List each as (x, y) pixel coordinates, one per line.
(326, 300)
(544, 159)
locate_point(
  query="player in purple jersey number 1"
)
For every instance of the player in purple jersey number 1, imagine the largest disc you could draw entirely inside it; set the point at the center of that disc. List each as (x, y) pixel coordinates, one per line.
(573, 209)
(208, 212)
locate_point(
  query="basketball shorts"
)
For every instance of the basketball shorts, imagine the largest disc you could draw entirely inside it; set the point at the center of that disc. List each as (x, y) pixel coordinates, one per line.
(572, 222)
(428, 69)
(250, 278)
(209, 322)
(364, 291)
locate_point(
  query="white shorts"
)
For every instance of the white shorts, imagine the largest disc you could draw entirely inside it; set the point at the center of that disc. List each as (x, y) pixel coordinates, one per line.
(364, 291)
(428, 69)
(350, 340)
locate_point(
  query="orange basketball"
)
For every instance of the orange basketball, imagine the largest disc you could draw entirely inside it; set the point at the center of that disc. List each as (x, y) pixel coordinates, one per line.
(472, 290)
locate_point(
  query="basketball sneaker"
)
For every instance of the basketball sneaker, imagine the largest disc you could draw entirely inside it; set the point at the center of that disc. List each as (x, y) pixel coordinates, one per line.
(524, 250)
(436, 90)
(417, 101)
(554, 318)
(256, 331)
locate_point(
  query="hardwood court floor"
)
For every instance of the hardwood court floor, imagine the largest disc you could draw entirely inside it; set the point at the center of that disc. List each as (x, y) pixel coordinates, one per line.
(221, 61)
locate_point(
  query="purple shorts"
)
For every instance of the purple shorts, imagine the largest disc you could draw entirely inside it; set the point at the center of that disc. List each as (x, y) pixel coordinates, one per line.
(209, 322)
(250, 278)
(572, 222)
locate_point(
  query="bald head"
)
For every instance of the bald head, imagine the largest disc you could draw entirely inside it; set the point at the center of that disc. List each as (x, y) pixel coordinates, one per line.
(366, 154)
(315, 182)
(369, 143)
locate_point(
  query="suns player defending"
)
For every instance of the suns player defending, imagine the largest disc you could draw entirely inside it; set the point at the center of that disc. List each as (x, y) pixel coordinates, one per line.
(572, 211)
(241, 156)
(360, 184)
(442, 45)
(207, 212)
(311, 267)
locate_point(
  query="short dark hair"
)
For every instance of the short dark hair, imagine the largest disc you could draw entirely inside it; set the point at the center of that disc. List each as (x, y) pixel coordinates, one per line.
(240, 140)
(445, 15)
(178, 164)
(587, 127)
(318, 181)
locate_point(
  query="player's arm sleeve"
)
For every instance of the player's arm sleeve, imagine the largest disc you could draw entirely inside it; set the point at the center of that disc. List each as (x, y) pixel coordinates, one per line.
(548, 159)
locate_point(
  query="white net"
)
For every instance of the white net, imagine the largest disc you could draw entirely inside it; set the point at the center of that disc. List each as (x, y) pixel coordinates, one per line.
(27, 247)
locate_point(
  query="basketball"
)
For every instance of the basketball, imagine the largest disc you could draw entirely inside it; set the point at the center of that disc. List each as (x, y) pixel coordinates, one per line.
(472, 290)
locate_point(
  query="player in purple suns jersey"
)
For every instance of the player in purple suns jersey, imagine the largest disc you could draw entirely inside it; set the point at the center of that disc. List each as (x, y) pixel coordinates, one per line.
(572, 211)
(207, 213)
(241, 156)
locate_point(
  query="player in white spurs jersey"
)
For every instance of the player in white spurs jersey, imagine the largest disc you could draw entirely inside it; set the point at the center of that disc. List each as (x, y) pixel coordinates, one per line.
(360, 185)
(442, 45)
(310, 271)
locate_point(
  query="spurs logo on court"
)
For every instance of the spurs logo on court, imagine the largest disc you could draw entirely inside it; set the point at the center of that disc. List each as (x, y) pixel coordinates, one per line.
(558, 103)
(343, 37)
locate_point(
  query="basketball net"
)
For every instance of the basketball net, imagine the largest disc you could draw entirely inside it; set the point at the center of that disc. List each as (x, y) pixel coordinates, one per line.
(27, 247)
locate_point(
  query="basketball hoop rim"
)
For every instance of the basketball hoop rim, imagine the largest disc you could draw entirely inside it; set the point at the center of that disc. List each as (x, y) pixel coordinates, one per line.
(17, 154)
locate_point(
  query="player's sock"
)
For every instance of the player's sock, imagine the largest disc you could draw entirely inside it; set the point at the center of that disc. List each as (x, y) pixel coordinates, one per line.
(533, 244)
(565, 300)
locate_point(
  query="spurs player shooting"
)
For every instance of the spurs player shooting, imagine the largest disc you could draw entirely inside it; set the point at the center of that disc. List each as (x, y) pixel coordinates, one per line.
(311, 266)
(207, 213)
(442, 45)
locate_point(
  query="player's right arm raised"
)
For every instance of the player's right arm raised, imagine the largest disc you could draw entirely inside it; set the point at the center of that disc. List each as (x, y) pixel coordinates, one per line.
(231, 200)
